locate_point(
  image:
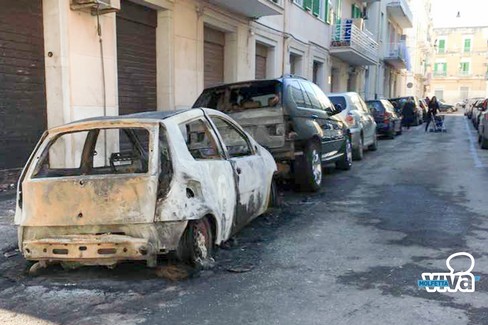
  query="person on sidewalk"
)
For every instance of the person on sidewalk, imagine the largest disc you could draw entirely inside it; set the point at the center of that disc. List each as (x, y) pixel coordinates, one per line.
(408, 113)
(432, 113)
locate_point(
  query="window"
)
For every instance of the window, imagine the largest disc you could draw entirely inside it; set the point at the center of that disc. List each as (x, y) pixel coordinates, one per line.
(439, 94)
(199, 141)
(356, 11)
(296, 94)
(467, 45)
(295, 64)
(309, 92)
(464, 68)
(440, 69)
(236, 143)
(299, 2)
(441, 46)
(126, 153)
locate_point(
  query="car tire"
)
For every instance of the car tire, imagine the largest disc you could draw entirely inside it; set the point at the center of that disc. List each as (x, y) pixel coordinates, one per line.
(484, 143)
(196, 243)
(374, 146)
(274, 198)
(308, 168)
(358, 153)
(346, 160)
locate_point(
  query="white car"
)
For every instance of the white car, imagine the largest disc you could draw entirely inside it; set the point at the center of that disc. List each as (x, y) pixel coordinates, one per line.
(141, 185)
(359, 120)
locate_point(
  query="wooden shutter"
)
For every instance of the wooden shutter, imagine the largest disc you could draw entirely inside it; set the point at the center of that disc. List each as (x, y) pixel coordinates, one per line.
(261, 61)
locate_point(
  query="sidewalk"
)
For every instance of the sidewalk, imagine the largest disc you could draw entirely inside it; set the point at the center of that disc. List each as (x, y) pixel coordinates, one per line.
(8, 232)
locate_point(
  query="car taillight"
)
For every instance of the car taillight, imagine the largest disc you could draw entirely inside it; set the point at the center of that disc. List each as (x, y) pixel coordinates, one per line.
(350, 119)
(387, 117)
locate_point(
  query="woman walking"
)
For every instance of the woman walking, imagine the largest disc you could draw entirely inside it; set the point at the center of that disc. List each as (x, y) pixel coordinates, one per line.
(432, 113)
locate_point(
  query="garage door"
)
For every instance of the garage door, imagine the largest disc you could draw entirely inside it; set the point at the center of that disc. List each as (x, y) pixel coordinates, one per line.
(261, 58)
(22, 82)
(213, 57)
(136, 58)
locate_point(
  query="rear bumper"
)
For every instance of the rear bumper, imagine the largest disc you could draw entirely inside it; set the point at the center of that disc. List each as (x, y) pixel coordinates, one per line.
(355, 137)
(89, 249)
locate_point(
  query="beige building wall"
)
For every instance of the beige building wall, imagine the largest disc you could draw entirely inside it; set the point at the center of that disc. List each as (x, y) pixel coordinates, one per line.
(454, 85)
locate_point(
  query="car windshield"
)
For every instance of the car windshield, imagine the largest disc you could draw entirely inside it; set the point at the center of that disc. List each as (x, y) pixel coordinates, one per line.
(240, 97)
(375, 106)
(338, 100)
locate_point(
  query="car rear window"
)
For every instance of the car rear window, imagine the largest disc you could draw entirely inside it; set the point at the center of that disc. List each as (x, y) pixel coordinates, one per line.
(338, 100)
(376, 106)
(240, 97)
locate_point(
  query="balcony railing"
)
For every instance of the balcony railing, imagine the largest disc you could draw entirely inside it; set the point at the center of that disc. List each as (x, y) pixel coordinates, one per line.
(399, 10)
(252, 8)
(397, 55)
(353, 45)
(440, 74)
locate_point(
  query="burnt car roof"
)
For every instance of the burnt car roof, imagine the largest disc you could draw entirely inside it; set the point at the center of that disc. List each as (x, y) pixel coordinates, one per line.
(153, 115)
(239, 83)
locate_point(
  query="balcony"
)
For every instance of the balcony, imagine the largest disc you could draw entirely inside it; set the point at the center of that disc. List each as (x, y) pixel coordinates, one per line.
(251, 8)
(399, 11)
(396, 55)
(353, 45)
(440, 74)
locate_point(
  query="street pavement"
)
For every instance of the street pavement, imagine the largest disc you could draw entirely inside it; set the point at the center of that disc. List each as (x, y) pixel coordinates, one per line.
(350, 254)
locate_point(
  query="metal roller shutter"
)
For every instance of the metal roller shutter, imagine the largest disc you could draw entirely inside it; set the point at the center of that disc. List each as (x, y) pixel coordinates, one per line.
(136, 58)
(213, 57)
(261, 61)
(23, 115)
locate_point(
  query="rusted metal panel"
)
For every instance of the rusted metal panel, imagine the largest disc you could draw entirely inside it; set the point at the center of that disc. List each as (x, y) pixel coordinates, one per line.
(22, 79)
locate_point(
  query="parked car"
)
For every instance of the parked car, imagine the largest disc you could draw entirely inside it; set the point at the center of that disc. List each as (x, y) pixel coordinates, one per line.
(400, 102)
(293, 119)
(483, 129)
(359, 119)
(478, 108)
(444, 107)
(141, 185)
(425, 108)
(388, 122)
(470, 105)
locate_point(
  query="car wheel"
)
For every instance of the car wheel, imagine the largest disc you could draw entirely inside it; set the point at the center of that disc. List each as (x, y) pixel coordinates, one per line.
(358, 153)
(308, 168)
(346, 161)
(196, 243)
(484, 143)
(274, 198)
(374, 146)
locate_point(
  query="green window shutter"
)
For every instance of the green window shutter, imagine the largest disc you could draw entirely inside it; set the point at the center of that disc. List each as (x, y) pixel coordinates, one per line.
(316, 7)
(467, 45)
(442, 46)
(307, 4)
(444, 67)
(339, 9)
(356, 11)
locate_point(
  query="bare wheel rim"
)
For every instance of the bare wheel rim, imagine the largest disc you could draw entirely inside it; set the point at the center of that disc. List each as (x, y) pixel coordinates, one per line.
(316, 167)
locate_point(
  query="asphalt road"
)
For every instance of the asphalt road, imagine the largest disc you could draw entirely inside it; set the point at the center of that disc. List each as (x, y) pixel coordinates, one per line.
(350, 254)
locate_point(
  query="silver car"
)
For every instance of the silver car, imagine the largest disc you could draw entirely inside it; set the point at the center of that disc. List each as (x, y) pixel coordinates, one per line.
(359, 120)
(140, 185)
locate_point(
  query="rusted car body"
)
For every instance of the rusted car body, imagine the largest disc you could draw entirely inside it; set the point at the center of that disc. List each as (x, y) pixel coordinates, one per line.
(138, 185)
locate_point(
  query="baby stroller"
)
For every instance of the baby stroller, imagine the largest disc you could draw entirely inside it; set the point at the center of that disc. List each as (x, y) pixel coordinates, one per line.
(437, 123)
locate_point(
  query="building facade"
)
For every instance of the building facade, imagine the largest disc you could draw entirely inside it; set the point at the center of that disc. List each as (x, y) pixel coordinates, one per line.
(65, 60)
(460, 64)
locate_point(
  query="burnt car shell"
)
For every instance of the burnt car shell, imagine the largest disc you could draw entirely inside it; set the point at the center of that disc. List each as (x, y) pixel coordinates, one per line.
(139, 204)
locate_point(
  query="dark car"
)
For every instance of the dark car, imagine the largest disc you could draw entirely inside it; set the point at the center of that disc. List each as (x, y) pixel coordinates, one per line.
(399, 102)
(293, 119)
(388, 122)
(444, 107)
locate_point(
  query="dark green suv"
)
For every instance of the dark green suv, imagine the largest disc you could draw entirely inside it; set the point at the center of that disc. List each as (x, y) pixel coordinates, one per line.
(292, 118)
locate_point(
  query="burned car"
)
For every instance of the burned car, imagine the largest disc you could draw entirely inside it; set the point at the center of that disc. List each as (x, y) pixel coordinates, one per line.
(293, 119)
(136, 186)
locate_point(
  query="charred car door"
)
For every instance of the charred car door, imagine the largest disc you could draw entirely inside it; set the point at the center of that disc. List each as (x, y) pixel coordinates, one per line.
(249, 170)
